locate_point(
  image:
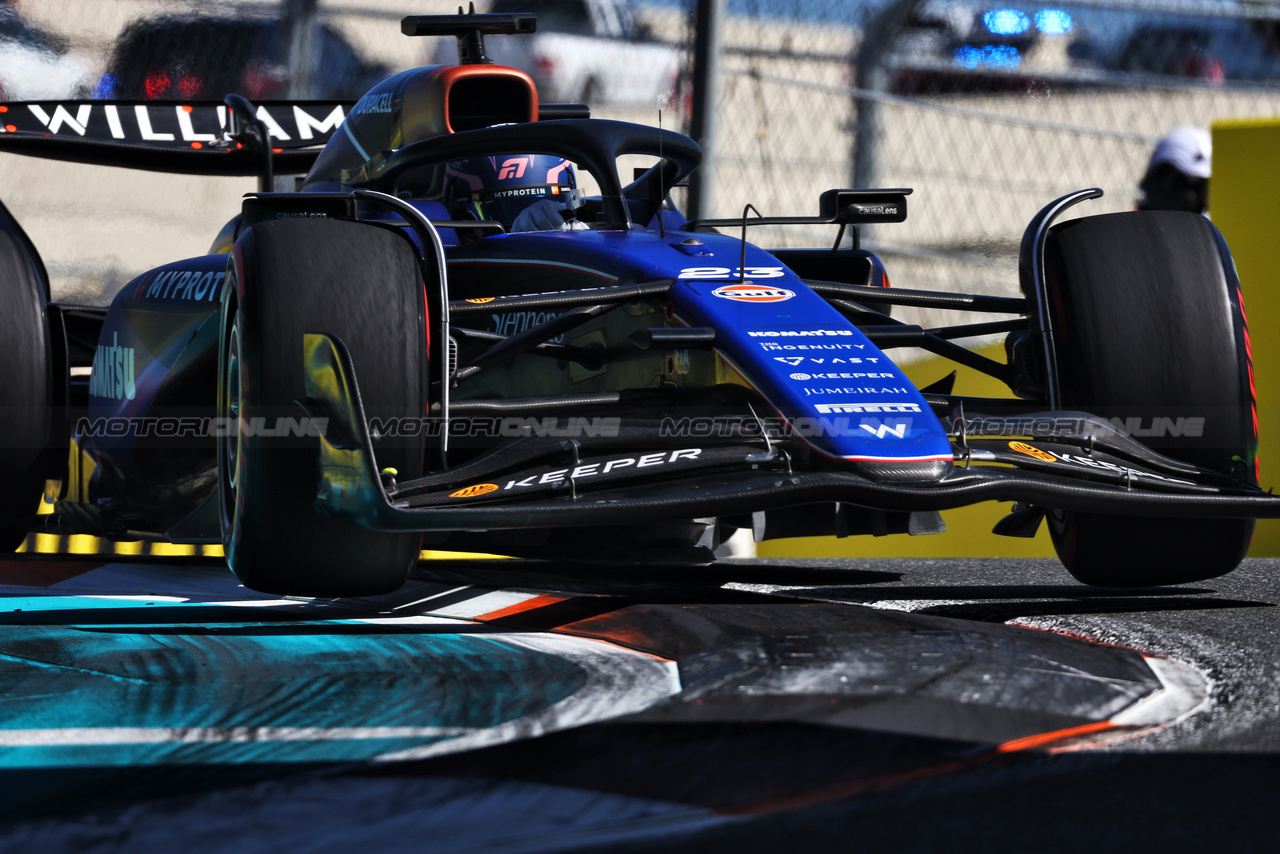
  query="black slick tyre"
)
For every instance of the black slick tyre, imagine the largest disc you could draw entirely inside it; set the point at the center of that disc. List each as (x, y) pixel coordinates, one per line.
(362, 283)
(26, 388)
(1150, 333)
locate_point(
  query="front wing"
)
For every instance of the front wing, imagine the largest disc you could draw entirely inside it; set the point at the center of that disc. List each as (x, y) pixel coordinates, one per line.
(635, 475)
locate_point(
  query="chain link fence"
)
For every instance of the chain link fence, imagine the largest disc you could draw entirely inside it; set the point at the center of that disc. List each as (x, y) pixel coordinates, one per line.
(988, 110)
(97, 227)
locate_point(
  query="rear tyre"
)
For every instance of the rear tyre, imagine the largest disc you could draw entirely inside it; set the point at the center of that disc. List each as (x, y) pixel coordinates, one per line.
(1150, 326)
(362, 283)
(26, 389)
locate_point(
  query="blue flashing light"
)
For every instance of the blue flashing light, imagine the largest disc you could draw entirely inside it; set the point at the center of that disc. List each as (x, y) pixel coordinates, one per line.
(1006, 22)
(968, 56)
(1054, 22)
(106, 88)
(987, 56)
(1001, 56)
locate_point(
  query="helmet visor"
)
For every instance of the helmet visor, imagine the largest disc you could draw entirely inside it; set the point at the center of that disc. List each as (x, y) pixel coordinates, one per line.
(505, 204)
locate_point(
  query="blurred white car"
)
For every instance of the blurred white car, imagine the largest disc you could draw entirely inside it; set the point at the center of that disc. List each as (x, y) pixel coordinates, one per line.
(35, 65)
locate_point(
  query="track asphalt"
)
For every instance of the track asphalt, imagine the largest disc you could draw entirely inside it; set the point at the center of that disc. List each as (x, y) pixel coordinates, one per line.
(524, 706)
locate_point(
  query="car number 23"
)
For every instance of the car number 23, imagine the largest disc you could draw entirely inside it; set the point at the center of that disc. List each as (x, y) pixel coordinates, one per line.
(731, 273)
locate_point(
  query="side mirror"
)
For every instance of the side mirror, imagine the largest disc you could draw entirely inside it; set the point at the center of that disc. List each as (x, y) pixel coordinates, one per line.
(855, 207)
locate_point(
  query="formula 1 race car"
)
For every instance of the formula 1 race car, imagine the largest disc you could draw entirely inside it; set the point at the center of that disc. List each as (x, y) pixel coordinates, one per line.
(358, 369)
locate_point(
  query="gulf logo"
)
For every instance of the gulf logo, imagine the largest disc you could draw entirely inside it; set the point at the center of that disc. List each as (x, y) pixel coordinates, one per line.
(474, 490)
(1032, 451)
(753, 293)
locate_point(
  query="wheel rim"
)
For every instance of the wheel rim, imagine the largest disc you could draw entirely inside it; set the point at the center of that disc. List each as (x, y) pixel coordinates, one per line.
(232, 434)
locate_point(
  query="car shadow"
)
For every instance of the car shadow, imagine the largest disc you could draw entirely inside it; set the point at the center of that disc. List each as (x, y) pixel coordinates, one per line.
(995, 603)
(593, 578)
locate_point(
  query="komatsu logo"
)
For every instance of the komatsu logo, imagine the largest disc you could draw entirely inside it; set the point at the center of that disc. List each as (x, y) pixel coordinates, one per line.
(801, 333)
(112, 372)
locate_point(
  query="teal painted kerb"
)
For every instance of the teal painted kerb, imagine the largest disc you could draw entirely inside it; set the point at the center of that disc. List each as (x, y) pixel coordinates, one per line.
(293, 674)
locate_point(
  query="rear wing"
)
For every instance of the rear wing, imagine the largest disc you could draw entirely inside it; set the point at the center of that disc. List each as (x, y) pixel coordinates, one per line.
(194, 138)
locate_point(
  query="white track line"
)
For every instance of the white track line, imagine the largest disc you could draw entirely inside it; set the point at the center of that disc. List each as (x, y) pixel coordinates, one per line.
(85, 736)
(1183, 691)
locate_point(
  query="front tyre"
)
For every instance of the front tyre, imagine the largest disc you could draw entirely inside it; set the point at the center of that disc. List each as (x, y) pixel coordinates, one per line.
(1150, 334)
(362, 283)
(26, 389)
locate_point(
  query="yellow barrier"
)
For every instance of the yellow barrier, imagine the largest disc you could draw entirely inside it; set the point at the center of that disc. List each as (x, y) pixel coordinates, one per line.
(1242, 200)
(1244, 192)
(83, 544)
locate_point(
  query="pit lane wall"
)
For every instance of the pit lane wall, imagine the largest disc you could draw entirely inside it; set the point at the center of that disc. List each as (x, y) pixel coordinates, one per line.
(1243, 196)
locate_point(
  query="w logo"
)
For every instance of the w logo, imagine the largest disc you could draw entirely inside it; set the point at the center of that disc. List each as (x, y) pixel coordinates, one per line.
(889, 427)
(513, 168)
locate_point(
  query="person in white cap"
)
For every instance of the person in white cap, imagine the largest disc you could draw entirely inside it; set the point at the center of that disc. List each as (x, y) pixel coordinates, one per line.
(1177, 177)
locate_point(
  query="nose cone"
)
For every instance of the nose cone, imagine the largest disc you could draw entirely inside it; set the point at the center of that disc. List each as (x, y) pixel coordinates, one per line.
(923, 471)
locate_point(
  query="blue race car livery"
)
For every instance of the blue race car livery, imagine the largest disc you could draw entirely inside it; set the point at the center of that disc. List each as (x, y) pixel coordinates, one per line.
(357, 370)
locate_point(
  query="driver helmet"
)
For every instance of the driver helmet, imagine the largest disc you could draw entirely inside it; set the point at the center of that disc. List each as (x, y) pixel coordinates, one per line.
(498, 188)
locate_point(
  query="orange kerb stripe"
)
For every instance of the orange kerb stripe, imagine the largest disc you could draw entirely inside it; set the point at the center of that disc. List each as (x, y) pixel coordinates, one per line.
(1031, 742)
(613, 643)
(856, 787)
(521, 607)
